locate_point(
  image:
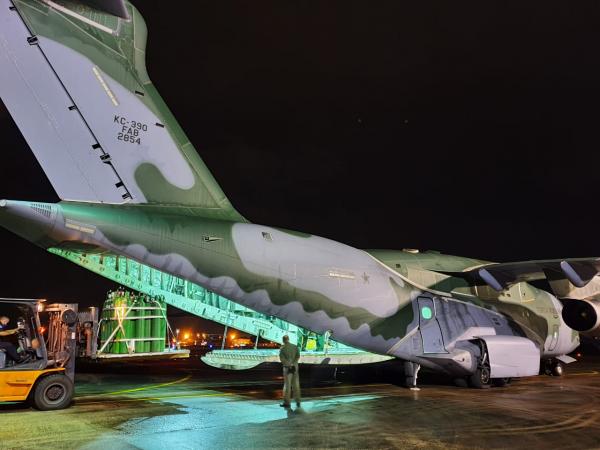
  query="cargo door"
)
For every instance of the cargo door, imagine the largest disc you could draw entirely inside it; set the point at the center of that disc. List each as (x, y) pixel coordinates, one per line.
(431, 333)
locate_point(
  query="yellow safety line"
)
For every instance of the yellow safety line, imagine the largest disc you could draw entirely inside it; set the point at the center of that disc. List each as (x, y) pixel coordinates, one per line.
(167, 397)
(229, 394)
(215, 394)
(155, 386)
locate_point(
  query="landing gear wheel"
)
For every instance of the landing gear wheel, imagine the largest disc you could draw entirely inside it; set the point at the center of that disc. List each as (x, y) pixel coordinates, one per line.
(557, 369)
(53, 392)
(481, 378)
(501, 382)
(554, 368)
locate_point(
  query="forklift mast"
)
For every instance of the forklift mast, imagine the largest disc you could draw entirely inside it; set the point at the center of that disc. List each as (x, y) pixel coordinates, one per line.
(70, 334)
(61, 345)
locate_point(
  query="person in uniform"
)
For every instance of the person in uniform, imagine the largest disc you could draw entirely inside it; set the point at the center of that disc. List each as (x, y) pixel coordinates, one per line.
(289, 356)
(8, 347)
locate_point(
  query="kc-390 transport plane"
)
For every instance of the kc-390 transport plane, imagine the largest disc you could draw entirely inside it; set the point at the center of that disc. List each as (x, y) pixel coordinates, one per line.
(73, 77)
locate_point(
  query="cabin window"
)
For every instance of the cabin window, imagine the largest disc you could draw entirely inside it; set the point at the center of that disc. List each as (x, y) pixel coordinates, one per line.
(267, 236)
(426, 312)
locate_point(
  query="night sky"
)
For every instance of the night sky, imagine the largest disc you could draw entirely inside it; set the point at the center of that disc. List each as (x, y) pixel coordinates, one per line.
(466, 127)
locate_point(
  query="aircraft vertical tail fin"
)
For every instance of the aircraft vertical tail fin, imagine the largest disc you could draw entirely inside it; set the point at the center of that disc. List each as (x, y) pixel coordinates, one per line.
(74, 80)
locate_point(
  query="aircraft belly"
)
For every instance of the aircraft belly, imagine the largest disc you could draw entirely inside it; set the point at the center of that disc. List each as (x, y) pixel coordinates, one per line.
(372, 313)
(87, 225)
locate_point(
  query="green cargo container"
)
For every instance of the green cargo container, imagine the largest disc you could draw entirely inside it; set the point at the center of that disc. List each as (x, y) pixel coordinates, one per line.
(139, 324)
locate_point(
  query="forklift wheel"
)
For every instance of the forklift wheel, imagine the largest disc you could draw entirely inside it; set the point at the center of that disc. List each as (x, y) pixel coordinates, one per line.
(53, 392)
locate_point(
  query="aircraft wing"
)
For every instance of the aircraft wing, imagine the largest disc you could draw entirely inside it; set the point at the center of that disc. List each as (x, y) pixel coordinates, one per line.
(499, 276)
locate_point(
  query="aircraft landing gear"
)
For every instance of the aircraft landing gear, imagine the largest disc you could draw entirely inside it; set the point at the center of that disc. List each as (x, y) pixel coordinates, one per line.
(481, 379)
(411, 371)
(466, 382)
(554, 368)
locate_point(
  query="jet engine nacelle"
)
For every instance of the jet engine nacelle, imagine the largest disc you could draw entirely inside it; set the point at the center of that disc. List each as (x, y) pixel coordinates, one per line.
(582, 315)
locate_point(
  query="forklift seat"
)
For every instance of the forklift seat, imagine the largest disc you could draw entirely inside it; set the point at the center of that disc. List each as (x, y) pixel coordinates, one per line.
(2, 359)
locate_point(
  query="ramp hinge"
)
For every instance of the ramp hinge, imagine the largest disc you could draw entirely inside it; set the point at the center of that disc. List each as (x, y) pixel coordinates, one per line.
(32, 40)
(106, 158)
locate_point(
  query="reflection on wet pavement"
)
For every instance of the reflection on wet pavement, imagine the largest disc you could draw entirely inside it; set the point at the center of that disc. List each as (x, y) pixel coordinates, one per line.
(187, 406)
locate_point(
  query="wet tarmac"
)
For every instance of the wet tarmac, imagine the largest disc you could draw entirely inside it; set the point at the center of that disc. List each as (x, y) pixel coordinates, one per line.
(185, 405)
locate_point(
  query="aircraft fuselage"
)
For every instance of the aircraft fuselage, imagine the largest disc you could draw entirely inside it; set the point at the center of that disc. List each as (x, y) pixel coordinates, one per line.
(307, 280)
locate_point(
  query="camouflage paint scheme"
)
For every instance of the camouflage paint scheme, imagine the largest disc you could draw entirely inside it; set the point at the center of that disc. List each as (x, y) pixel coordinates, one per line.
(153, 200)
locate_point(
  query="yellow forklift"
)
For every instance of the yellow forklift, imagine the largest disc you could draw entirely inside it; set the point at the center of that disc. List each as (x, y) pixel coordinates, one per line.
(47, 338)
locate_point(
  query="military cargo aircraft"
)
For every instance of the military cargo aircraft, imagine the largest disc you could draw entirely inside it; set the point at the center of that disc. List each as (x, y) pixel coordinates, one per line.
(73, 77)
